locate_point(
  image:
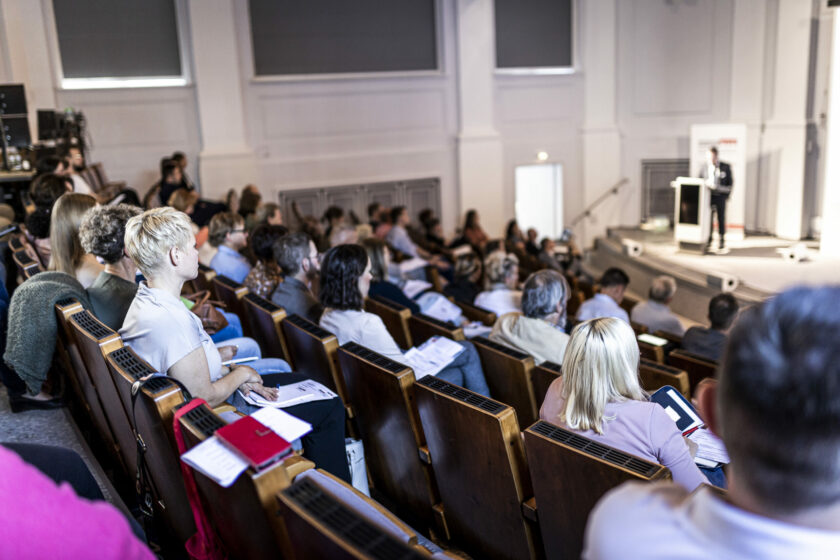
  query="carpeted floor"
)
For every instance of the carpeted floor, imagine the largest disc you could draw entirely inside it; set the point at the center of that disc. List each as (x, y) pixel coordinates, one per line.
(50, 427)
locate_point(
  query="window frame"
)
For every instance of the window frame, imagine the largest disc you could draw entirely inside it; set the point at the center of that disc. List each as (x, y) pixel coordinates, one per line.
(70, 84)
(244, 16)
(546, 70)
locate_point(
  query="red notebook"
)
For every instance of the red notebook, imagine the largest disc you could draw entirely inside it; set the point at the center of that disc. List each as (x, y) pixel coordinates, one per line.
(255, 442)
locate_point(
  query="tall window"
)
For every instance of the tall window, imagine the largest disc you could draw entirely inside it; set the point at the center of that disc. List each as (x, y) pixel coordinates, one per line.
(293, 37)
(534, 34)
(118, 42)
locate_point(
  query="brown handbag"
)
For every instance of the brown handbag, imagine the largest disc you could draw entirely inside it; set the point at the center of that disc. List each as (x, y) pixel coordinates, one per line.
(207, 310)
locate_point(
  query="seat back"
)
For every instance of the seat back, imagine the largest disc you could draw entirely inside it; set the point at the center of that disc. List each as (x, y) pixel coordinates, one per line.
(321, 525)
(675, 340)
(433, 277)
(576, 299)
(422, 328)
(570, 473)
(697, 367)
(654, 375)
(651, 352)
(313, 352)
(542, 376)
(231, 293)
(77, 372)
(638, 328)
(27, 266)
(508, 374)
(94, 340)
(476, 313)
(382, 392)
(204, 280)
(244, 514)
(264, 318)
(480, 469)
(152, 420)
(395, 317)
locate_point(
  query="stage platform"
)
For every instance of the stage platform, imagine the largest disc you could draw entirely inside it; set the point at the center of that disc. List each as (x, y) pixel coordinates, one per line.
(759, 269)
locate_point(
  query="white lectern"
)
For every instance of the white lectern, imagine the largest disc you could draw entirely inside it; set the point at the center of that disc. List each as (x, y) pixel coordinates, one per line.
(692, 214)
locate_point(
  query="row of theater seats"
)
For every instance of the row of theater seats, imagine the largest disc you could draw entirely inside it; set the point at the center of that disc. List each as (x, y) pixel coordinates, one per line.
(450, 459)
(24, 256)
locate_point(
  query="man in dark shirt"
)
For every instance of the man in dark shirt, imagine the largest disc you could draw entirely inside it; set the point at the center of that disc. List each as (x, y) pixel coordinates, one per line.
(298, 259)
(709, 343)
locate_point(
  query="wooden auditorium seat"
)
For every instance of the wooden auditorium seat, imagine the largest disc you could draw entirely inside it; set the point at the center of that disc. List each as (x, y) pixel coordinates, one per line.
(508, 374)
(638, 328)
(479, 464)
(697, 367)
(476, 313)
(433, 277)
(651, 351)
(674, 340)
(542, 376)
(204, 280)
(576, 299)
(628, 303)
(422, 328)
(382, 392)
(244, 514)
(151, 419)
(654, 376)
(326, 518)
(95, 340)
(26, 264)
(313, 352)
(570, 473)
(231, 293)
(265, 318)
(395, 317)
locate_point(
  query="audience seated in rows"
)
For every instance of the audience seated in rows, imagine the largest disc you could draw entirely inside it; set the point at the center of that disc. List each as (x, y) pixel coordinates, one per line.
(500, 296)
(266, 274)
(654, 313)
(228, 235)
(607, 302)
(44, 191)
(297, 257)
(171, 339)
(464, 286)
(599, 396)
(776, 410)
(398, 237)
(345, 282)
(538, 330)
(709, 343)
(102, 234)
(44, 519)
(67, 254)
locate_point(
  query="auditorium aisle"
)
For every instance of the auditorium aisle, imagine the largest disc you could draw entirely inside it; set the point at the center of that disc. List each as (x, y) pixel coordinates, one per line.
(51, 427)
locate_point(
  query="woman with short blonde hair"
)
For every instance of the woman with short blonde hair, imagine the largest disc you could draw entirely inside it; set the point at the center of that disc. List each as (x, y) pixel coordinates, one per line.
(600, 397)
(67, 254)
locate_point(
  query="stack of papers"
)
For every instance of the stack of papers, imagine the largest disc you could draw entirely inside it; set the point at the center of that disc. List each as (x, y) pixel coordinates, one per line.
(291, 395)
(216, 461)
(475, 329)
(710, 449)
(432, 356)
(436, 306)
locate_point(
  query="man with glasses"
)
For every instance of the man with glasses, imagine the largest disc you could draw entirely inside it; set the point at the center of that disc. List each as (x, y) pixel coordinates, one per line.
(227, 233)
(297, 257)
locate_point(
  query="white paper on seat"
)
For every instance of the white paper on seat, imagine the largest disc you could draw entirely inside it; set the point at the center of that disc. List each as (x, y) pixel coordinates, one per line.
(709, 446)
(215, 461)
(432, 356)
(284, 424)
(412, 288)
(291, 395)
(475, 329)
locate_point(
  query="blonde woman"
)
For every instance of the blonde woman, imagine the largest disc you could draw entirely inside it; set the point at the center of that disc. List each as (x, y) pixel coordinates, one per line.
(502, 276)
(599, 396)
(67, 254)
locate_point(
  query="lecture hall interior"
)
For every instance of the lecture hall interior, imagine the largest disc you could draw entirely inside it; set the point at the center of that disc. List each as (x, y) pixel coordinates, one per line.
(490, 279)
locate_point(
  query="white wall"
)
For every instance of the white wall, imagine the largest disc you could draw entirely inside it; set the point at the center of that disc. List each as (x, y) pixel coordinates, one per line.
(648, 69)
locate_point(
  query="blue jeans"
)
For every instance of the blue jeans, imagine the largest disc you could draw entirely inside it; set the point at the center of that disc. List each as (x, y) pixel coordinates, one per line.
(465, 370)
(232, 330)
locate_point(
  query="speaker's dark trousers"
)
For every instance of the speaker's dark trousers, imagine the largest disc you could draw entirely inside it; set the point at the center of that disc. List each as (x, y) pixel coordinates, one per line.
(719, 208)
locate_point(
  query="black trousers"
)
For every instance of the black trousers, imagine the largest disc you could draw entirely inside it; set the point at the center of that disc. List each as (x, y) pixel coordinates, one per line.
(324, 445)
(719, 208)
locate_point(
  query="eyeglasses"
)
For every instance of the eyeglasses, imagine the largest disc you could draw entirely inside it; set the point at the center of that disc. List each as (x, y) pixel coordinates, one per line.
(238, 230)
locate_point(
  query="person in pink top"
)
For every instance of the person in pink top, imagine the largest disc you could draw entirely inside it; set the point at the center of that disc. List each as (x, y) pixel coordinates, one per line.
(599, 396)
(39, 519)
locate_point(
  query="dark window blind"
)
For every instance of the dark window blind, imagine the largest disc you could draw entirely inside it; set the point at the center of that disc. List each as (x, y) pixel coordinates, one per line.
(117, 38)
(533, 33)
(341, 36)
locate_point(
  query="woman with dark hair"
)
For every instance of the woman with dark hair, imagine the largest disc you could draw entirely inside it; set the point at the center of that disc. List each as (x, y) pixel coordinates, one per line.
(334, 216)
(514, 240)
(265, 274)
(473, 233)
(249, 201)
(345, 283)
(380, 258)
(44, 192)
